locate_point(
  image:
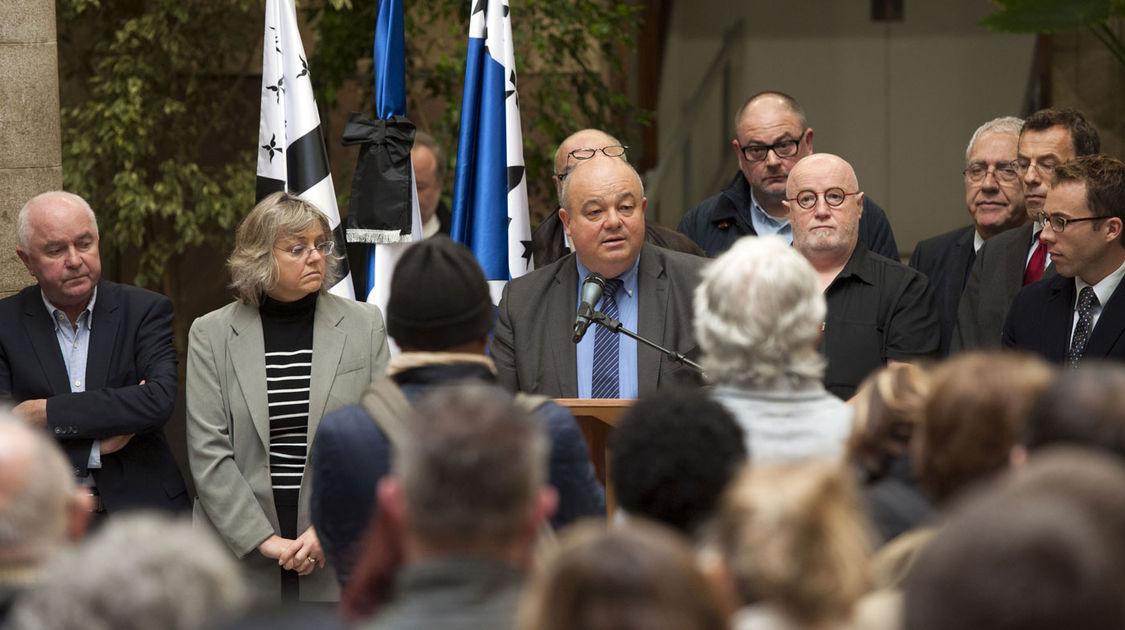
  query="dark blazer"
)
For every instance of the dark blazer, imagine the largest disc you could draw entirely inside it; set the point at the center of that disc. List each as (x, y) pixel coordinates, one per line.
(996, 278)
(531, 344)
(130, 341)
(946, 260)
(1041, 318)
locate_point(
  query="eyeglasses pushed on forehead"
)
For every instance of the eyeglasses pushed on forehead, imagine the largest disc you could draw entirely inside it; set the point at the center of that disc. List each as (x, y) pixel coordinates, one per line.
(585, 153)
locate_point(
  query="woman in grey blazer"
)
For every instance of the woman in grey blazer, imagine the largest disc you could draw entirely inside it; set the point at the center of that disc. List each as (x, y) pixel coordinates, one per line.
(261, 373)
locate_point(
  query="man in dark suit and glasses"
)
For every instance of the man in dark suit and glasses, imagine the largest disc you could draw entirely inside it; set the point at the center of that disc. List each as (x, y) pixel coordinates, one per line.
(1079, 313)
(91, 361)
(994, 197)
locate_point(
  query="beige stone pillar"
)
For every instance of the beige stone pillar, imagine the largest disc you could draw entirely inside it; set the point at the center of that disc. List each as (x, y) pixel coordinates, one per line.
(30, 144)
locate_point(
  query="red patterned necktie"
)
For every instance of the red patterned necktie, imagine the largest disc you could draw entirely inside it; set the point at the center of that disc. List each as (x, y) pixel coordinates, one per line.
(1035, 266)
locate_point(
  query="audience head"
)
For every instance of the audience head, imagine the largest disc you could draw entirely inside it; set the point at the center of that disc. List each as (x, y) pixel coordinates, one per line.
(1088, 186)
(770, 136)
(792, 535)
(58, 240)
(40, 507)
(825, 204)
(138, 572)
(1051, 137)
(993, 191)
(471, 473)
(278, 251)
(638, 577)
(1040, 551)
(604, 213)
(672, 454)
(429, 173)
(758, 316)
(439, 299)
(974, 414)
(582, 145)
(1082, 408)
(888, 406)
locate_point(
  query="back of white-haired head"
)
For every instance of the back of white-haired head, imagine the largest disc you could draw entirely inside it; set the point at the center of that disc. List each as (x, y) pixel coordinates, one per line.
(36, 491)
(758, 315)
(140, 571)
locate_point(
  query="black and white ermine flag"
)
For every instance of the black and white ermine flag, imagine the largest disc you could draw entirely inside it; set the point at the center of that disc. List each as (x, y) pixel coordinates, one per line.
(291, 153)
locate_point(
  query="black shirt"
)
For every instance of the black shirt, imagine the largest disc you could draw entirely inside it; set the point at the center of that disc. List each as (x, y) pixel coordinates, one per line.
(878, 309)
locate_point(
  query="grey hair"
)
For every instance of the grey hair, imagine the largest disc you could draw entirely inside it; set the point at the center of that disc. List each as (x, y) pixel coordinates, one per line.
(1003, 124)
(758, 315)
(23, 230)
(565, 191)
(471, 463)
(253, 270)
(140, 571)
(423, 139)
(33, 516)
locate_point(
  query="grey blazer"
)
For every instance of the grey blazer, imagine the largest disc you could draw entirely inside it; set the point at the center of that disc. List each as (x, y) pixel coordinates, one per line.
(531, 345)
(228, 422)
(996, 278)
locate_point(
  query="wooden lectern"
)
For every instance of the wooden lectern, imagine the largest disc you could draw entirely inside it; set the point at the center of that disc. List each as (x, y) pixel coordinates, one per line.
(596, 418)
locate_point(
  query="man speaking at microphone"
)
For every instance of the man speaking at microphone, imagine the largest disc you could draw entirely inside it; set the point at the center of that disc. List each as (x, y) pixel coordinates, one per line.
(647, 288)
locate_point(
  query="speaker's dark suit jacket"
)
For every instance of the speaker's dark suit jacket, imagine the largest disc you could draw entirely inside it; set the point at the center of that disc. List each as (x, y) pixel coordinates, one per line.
(532, 344)
(1042, 315)
(996, 278)
(130, 341)
(945, 260)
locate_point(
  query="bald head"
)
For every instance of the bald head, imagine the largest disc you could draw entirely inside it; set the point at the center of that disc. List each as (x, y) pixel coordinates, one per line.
(37, 494)
(585, 139)
(825, 234)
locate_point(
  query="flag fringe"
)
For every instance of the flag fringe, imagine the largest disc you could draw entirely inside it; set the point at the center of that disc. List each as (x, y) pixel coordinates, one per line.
(378, 237)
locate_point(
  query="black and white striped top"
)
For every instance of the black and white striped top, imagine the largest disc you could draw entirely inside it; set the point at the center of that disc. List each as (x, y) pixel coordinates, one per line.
(287, 328)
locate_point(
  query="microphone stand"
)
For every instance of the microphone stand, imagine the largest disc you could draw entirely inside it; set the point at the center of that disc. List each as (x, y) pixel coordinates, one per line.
(616, 327)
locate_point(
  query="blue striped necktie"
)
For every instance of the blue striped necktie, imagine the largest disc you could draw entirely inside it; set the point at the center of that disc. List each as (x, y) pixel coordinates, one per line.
(604, 383)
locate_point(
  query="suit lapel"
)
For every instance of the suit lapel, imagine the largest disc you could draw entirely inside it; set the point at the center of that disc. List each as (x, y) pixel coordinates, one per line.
(562, 304)
(1111, 323)
(1059, 312)
(652, 306)
(41, 332)
(248, 359)
(328, 348)
(1016, 262)
(962, 256)
(105, 324)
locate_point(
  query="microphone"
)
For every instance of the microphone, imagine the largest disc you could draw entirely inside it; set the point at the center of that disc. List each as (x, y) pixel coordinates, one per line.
(592, 288)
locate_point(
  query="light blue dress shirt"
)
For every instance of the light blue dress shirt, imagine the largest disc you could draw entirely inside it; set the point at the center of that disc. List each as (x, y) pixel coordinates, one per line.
(74, 343)
(765, 225)
(627, 346)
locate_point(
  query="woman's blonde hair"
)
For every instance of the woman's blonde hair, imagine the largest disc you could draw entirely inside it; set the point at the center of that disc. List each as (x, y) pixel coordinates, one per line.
(253, 270)
(888, 408)
(792, 535)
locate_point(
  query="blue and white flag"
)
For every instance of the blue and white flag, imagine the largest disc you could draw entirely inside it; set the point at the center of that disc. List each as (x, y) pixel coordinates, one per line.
(490, 187)
(291, 153)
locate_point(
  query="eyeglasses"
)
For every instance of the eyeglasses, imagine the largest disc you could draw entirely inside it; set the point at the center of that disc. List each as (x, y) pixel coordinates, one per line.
(1007, 172)
(300, 250)
(833, 197)
(613, 150)
(782, 149)
(1058, 224)
(1045, 169)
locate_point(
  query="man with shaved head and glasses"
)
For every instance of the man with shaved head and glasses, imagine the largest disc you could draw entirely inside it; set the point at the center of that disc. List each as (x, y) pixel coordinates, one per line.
(994, 197)
(771, 135)
(549, 241)
(879, 310)
(1015, 258)
(1080, 312)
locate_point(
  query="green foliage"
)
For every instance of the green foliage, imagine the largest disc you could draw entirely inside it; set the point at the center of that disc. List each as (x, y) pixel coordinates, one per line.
(558, 48)
(159, 135)
(1052, 16)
